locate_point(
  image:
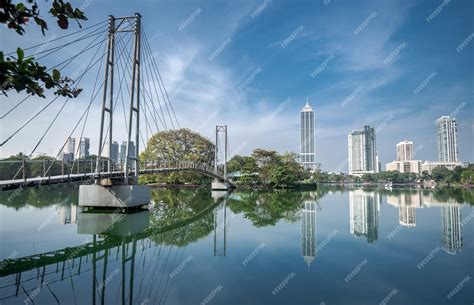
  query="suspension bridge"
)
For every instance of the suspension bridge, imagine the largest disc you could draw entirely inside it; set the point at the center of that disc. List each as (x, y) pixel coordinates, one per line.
(131, 86)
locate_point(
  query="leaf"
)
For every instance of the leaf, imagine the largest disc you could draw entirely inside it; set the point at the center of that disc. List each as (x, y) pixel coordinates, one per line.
(63, 22)
(43, 25)
(56, 75)
(20, 54)
(20, 7)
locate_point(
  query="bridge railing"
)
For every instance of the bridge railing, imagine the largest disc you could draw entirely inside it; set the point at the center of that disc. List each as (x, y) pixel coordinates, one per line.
(26, 168)
(46, 168)
(180, 164)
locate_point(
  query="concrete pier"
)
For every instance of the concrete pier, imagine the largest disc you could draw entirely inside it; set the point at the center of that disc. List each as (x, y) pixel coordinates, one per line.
(220, 186)
(115, 196)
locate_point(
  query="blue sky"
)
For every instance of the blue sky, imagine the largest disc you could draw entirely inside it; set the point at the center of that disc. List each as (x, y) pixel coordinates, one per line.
(271, 53)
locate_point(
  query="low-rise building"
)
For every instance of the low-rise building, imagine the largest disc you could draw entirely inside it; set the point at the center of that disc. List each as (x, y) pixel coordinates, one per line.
(428, 166)
(408, 166)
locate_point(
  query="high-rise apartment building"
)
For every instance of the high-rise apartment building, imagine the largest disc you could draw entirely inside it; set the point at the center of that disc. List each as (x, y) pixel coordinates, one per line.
(71, 145)
(447, 130)
(123, 148)
(114, 152)
(307, 144)
(69, 150)
(84, 145)
(362, 151)
(405, 151)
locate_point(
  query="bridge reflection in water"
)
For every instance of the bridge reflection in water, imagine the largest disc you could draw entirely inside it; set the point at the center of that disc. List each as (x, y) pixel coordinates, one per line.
(117, 245)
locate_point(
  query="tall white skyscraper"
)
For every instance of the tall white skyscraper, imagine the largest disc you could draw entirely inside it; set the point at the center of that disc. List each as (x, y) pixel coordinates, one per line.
(307, 145)
(447, 139)
(405, 151)
(362, 151)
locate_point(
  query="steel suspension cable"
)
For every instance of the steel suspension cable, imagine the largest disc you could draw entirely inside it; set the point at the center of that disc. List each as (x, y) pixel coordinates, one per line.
(147, 45)
(144, 99)
(59, 38)
(30, 95)
(60, 47)
(153, 69)
(90, 65)
(80, 119)
(149, 89)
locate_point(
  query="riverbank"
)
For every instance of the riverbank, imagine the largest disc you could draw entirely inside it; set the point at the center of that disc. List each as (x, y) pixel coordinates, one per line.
(401, 185)
(302, 186)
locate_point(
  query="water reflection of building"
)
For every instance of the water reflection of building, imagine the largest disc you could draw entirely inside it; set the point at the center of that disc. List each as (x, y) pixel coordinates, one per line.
(364, 214)
(451, 228)
(407, 216)
(308, 232)
(407, 204)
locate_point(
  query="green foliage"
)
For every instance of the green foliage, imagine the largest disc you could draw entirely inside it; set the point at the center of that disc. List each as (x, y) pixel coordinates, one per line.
(459, 175)
(177, 206)
(25, 74)
(268, 168)
(267, 208)
(178, 145)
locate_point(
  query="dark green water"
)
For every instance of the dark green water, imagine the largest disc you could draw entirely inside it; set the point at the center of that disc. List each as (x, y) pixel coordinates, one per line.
(325, 247)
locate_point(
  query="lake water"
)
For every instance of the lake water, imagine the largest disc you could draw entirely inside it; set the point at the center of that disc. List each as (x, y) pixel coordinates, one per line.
(330, 246)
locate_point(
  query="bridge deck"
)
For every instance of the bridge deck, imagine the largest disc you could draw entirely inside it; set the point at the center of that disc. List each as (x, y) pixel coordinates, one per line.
(5, 184)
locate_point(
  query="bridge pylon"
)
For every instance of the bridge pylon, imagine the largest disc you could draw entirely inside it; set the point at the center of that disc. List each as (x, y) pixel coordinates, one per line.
(217, 184)
(122, 193)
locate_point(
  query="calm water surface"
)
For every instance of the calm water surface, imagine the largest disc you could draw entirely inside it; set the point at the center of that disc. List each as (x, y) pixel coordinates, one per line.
(352, 246)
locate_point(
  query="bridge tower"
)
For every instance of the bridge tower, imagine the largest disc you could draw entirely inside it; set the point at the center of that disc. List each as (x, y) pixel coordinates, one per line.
(123, 192)
(220, 185)
(131, 167)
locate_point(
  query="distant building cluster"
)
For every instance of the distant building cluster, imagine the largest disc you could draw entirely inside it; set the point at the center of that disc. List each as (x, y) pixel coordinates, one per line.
(71, 151)
(117, 154)
(448, 155)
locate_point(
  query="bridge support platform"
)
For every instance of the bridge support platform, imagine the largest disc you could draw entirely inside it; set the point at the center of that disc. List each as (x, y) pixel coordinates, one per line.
(115, 196)
(220, 186)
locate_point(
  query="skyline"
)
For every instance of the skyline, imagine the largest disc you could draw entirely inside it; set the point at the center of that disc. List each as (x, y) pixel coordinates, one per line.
(386, 70)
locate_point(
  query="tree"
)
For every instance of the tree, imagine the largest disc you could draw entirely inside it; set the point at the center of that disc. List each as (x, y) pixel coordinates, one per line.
(467, 176)
(249, 166)
(178, 145)
(235, 163)
(368, 178)
(24, 73)
(441, 174)
(265, 160)
(287, 172)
